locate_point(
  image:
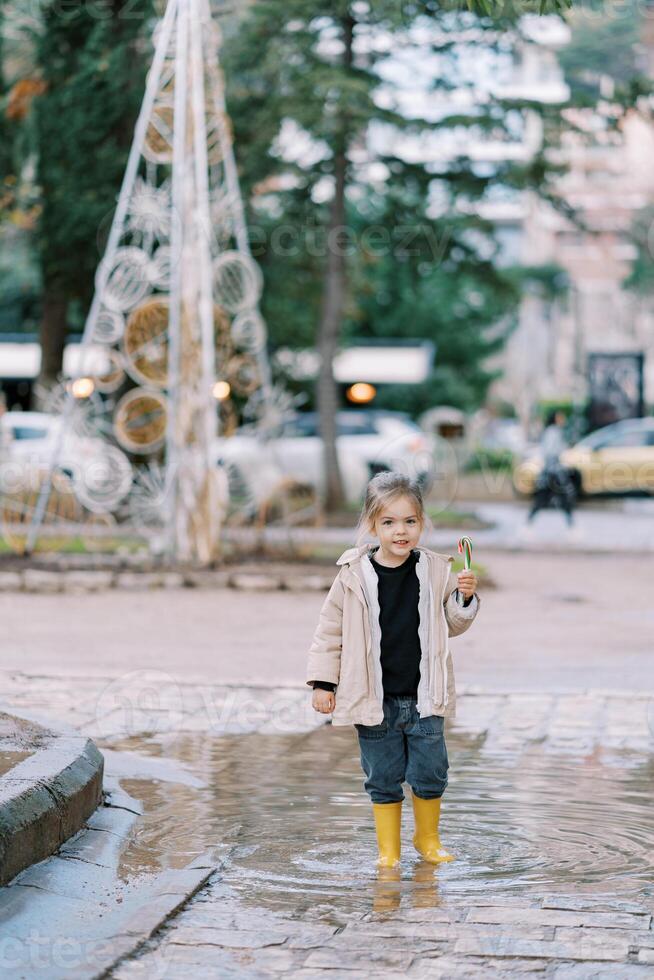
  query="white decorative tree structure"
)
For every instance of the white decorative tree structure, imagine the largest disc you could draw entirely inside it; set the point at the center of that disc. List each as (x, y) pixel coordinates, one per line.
(174, 328)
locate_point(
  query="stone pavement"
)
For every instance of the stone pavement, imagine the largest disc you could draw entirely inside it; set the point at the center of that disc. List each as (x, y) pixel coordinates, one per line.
(509, 937)
(548, 812)
(151, 702)
(549, 624)
(548, 808)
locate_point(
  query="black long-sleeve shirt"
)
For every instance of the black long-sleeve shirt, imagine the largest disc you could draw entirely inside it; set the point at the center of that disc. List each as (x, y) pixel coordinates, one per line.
(398, 591)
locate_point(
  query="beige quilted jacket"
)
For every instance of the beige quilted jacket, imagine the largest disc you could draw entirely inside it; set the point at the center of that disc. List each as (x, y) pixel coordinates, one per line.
(346, 647)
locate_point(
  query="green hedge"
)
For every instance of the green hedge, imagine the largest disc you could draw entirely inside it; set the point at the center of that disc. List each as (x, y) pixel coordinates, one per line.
(490, 459)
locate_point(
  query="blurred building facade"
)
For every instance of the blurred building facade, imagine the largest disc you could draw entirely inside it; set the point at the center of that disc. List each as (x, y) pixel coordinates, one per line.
(609, 181)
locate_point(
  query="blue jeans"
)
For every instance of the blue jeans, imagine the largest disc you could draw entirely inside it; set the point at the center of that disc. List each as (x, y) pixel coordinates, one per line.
(402, 747)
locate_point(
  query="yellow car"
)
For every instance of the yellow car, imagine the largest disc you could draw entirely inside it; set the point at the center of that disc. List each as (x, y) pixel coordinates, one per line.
(616, 459)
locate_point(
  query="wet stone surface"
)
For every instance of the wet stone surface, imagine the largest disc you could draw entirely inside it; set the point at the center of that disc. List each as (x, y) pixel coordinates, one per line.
(552, 835)
(547, 810)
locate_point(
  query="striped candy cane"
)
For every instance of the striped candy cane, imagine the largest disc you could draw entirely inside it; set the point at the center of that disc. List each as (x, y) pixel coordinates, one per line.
(465, 549)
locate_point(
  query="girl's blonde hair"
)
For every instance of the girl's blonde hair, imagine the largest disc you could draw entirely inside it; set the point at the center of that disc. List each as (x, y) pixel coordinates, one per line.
(381, 490)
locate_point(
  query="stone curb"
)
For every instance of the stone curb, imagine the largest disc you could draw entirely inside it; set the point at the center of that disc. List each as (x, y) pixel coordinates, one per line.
(47, 797)
(42, 581)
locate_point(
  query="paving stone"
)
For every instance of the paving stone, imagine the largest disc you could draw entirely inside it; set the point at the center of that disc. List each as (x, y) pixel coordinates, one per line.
(207, 915)
(89, 581)
(117, 798)
(230, 938)
(186, 880)
(170, 962)
(415, 915)
(593, 970)
(311, 935)
(494, 901)
(207, 579)
(255, 583)
(90, 846)
(559, 917)
(112, 820)
(316, 973)
(343, 959)
(363, 943)
(307, 583)
(300, 935)
(11, 581)
(505, 945)
(420, 931)
(138, 581)
(34, 580)
(634, 940)
(450, 967)
(520, 932)
(581, 904)
(276, 960)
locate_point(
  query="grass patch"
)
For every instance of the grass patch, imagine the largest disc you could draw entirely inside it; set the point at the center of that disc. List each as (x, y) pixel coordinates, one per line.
(446, 519)
(485, 460)
(77, 545)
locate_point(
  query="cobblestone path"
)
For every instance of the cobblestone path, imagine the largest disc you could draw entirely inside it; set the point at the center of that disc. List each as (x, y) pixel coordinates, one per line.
(547, 809)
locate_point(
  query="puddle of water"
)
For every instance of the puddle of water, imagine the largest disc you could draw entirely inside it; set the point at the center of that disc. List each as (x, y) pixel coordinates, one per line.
(520, 823)
(171, 834)
(10, 758)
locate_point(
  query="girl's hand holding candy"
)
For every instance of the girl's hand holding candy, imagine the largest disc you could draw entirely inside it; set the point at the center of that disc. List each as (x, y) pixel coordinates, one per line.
(467, 579)
(468, 583)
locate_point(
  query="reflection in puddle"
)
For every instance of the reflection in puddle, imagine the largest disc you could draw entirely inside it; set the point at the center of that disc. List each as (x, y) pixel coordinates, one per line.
(302, 839)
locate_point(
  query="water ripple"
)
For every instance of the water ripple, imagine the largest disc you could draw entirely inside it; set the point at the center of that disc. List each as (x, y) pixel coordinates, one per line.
(302, 831)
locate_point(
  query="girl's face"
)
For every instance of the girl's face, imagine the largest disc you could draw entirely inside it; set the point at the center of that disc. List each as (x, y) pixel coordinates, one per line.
(398, 526)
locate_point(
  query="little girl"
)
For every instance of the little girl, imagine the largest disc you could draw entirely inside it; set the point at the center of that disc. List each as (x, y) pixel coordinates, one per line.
(380, 661)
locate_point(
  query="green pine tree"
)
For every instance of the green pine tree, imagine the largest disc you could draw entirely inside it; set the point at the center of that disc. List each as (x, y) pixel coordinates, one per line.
(316, 64)
(94, 71)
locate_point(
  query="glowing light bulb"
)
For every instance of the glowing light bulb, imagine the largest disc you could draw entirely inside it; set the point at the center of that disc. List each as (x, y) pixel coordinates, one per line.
(361, 392)
(221, 390)
(83, 387)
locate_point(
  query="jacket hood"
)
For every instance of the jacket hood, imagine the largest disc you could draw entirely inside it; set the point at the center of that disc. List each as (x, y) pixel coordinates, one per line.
(353, 555)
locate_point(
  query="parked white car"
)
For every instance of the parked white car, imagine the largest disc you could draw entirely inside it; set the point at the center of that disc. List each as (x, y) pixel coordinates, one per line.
(368, 440)
(27, 433)
(101, 474)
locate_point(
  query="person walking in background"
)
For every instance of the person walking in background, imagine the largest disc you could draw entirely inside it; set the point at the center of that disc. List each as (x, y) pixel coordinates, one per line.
(380, 660)
(554, 486)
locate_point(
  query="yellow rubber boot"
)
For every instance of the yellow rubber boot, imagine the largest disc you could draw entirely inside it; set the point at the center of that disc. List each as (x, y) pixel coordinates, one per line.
(388, 821)
(426, 841)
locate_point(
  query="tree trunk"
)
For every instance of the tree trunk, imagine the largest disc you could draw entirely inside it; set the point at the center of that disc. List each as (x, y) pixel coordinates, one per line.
(328, 338)
(54, 327)
(333, 305)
